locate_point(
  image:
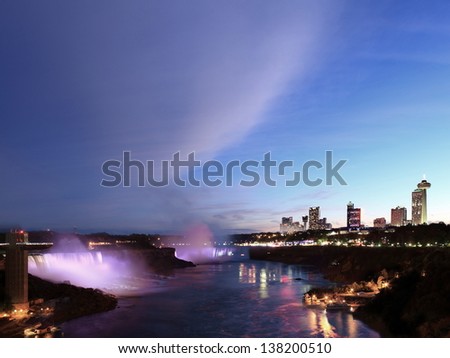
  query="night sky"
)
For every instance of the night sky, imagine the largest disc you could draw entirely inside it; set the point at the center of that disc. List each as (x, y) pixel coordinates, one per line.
(83, 81)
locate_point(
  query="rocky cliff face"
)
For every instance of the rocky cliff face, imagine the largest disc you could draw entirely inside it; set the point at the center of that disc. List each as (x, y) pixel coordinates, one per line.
(416, 304)
(67, 302)
(164, 259)
(70, 301)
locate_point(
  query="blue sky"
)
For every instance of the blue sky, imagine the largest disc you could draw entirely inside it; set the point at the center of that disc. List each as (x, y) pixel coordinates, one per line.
(230, 80)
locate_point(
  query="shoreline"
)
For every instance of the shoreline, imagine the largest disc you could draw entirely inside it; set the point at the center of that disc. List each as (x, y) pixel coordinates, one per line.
(52, 304)
(413, 283)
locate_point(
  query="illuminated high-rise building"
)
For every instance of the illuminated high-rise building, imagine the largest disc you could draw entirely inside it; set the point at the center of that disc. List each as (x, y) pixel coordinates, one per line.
(353, 217)
(398, 216)
(314, 218)
(419, 203)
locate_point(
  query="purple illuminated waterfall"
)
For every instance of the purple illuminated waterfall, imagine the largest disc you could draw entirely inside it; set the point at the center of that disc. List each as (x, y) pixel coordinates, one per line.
(118, 274)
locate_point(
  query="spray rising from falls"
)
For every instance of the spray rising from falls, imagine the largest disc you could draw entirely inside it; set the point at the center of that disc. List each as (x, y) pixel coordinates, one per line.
(122, 273)
(200, 249)
(205, 255)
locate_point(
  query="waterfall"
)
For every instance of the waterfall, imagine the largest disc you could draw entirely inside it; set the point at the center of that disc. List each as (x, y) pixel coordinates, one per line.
(56, 261)
(117, 274)
(210, 254)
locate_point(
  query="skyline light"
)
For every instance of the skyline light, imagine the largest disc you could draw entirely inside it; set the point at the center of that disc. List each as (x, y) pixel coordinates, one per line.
(82, 83)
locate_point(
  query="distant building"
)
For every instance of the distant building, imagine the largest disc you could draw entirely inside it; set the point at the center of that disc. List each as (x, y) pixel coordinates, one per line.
(398, 216)
(419, 203)
(379, 223)
(314, 216)
(323, 225)
(353, 217)
(288, 226)
(295, 227)
(315, 222)
(305, 222)
(417, 199)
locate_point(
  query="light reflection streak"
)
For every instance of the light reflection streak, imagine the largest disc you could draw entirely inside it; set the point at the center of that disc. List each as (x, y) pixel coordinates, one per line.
(319, 324)
(263, 292)
(247, 274)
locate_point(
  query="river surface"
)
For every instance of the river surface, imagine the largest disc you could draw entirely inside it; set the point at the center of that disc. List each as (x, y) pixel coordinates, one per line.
(229, 299)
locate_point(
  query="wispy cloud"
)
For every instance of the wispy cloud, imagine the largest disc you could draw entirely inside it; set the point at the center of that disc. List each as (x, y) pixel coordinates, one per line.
(201, 78)
(87, 82)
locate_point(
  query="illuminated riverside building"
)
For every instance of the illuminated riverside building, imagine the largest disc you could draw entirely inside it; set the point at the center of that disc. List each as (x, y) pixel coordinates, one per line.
(419, 203)
(353, 217)
(398, 216)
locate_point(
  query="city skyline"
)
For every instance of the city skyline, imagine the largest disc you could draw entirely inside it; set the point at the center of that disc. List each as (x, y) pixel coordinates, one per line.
(398, 215)
(228, 81)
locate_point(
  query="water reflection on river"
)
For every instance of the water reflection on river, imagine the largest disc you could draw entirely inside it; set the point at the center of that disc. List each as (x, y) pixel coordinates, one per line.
(234, 299)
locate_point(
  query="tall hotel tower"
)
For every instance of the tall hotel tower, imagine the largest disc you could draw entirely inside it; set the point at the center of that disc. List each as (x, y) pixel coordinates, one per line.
(314, 217)
(398, 216)
(419, 203)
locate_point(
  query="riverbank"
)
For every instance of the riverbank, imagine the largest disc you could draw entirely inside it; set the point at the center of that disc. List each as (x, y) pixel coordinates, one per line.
(414, 301)
(54, 303)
